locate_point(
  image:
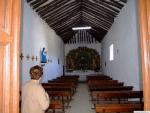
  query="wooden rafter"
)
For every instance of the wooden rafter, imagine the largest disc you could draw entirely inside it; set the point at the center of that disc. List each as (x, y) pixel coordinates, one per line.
(62, 15)
(65, 18)
(29, 1)
(71, 22)
(39, 3)
(104, 4)
(99, 8)
(58, 16)
(51, 4)
(98, 15)
(95, 20)
(54, 10)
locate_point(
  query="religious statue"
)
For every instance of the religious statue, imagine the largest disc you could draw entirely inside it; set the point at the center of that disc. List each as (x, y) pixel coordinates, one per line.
(43, 56)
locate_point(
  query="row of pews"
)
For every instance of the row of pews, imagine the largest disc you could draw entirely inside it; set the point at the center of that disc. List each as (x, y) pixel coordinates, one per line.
(108, 95)
(61, 91)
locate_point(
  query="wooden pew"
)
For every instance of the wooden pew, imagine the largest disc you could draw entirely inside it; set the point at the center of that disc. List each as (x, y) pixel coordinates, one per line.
(59, 98)
(56, 104)
(123, 105)
(107, 95)
(60, 88)
(111, 88)
(106, 84)
(91, 76)
(92, 82)
(72, 84)
(105, 108)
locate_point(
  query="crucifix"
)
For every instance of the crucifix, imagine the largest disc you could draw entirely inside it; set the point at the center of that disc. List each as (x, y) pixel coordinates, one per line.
(21, 56)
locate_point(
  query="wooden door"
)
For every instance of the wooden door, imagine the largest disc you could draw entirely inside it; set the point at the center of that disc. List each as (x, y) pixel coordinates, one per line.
(144, 17)
(9, 55)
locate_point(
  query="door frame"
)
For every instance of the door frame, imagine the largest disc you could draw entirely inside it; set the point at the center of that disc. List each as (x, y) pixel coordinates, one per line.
(144, 21)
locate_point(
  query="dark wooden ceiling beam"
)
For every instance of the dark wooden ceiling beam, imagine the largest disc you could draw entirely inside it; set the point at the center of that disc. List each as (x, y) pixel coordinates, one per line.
(114, 4)
(67, 27)
(39, 3)
(54, 10)
(63, 19)
(93, 23)
(96, 14)
(124, 1)
(99, 20)
(101, 3)
(60, 15)
(66, 34)
(51, 4)
(34, 2)
(29, 1)
(61, 11)
(99, 8)
(72, 21)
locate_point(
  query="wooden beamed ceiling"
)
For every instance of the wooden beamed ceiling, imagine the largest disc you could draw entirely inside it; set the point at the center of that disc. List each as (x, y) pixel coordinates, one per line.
(62, 15)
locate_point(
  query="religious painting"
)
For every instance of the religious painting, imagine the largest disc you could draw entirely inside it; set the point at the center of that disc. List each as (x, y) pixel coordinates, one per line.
(83, 58)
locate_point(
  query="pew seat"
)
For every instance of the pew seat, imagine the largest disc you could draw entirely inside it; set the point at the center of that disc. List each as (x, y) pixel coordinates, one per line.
(128, 107)
(56, 104)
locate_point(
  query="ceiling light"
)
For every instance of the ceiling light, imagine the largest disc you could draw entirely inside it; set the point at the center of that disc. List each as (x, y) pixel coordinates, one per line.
(81, 28)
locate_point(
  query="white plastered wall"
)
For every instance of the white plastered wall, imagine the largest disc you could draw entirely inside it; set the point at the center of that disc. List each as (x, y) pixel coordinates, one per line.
(36, 34)
(124, 34)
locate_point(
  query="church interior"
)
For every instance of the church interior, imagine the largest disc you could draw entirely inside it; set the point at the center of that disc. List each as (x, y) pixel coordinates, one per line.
(93, 70)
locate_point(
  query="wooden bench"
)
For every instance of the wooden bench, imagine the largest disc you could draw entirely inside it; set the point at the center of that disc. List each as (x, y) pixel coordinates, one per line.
(59, 84)
(107, 95)
(106, 84)
(92, 82)
(64, 96)
(91, 76)
(60, 88)
(130, 107)
(111, 88)
(56, 104)
(123, 104)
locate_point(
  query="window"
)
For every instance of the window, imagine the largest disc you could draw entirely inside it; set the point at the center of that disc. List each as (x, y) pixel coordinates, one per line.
(111, 52)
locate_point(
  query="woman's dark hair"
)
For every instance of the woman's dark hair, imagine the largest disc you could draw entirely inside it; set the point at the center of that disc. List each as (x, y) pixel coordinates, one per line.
(36, 72)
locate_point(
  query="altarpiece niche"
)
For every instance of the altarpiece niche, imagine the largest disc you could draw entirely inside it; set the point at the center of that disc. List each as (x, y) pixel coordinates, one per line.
(83, 58)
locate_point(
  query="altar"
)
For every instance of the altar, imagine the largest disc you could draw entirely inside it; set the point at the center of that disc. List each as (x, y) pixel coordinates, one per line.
(82, 74)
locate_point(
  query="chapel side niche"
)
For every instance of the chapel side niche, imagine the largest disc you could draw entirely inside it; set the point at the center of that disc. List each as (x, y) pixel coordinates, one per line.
(83, 59)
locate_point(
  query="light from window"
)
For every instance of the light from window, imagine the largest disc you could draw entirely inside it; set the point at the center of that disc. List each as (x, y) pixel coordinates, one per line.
(111, 52)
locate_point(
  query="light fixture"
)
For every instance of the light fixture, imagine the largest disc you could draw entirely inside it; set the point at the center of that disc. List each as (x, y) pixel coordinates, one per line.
(81, 28)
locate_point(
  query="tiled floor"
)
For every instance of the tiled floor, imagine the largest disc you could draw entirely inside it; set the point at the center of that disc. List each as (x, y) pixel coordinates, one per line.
(81, 102)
